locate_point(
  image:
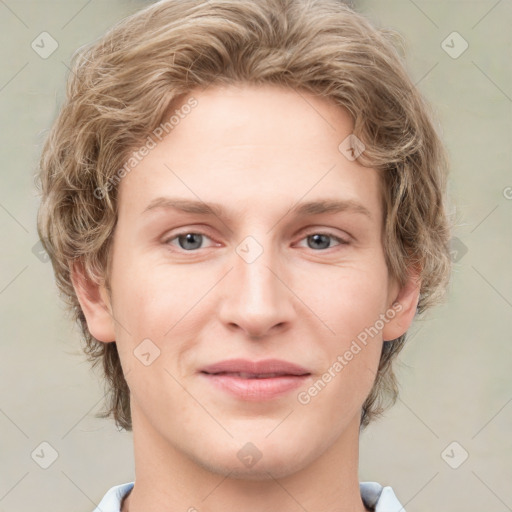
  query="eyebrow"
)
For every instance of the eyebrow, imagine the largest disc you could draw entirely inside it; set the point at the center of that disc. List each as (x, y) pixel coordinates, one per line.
(301, 209)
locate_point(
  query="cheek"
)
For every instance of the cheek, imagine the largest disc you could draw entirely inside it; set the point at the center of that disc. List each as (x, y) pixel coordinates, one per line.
(151, 298)
(349, 299)
(155, 302)
(352, 306)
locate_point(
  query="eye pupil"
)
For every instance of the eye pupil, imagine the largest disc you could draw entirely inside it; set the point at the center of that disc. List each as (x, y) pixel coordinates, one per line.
(190, 238)
(192, 241)
(319, 238)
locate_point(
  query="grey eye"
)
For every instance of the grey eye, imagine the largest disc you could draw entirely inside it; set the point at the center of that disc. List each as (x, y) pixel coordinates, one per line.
(190, 241)
(320, 241)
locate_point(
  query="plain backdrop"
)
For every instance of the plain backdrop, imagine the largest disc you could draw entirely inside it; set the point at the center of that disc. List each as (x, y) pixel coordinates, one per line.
(445, 445)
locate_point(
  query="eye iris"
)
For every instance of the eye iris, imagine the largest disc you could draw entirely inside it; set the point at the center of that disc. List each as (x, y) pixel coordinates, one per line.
(320, 241)
(318, 238)
(190, 238)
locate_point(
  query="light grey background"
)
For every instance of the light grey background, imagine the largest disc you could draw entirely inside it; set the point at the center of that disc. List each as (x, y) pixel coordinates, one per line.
(455, 370)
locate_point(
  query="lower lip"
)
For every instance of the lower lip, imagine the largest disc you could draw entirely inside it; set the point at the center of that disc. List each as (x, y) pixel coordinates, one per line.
(256, 389)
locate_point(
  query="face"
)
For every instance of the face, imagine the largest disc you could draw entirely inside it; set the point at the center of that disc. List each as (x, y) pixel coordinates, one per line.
(216, 256)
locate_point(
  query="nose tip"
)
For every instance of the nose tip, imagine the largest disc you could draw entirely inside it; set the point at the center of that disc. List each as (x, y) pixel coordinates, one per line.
(256, 329)
(256, 301)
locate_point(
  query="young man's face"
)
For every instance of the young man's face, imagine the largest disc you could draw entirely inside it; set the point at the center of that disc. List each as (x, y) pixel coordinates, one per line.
(254, 283)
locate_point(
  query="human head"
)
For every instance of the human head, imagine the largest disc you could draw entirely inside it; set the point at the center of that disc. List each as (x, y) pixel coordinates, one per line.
(124, 86)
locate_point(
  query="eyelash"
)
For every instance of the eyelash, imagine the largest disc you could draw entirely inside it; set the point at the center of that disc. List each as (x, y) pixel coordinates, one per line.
(341, 241)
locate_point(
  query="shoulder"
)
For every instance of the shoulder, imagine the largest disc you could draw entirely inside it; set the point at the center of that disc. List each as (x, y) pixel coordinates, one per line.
(379, 498)
(111, 502)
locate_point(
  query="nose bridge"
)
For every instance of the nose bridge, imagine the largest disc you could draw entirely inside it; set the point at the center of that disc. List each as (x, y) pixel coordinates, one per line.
(257, 299)
(255, 259)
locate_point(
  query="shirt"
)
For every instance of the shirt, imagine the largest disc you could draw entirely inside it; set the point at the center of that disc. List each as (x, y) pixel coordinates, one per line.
(374, 496)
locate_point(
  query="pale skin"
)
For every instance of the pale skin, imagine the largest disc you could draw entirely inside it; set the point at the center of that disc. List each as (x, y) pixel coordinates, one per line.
(258, 152)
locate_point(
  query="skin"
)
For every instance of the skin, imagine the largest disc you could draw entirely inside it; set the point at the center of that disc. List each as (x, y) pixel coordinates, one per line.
(257, 150)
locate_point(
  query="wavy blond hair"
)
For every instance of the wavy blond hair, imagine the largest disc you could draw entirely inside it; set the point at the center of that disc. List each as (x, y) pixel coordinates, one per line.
(122, 86)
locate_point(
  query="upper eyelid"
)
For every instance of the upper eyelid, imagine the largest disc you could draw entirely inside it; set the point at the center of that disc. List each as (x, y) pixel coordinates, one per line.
(341, 239)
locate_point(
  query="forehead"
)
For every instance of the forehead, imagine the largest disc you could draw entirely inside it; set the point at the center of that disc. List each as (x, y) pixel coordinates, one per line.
(251, 146)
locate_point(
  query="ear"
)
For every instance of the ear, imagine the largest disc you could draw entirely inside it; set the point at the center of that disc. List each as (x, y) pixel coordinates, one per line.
(95, 303)
(404, 303)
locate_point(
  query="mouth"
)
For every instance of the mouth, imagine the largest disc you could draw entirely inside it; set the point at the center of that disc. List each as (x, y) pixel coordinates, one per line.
(246, 375)
(255, 381)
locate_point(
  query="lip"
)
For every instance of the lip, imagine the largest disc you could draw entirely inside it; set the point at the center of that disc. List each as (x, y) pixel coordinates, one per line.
(255, 367)
(239, 377)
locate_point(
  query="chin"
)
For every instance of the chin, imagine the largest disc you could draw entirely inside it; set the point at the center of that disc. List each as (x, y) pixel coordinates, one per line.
(274, 465)
(257, 473)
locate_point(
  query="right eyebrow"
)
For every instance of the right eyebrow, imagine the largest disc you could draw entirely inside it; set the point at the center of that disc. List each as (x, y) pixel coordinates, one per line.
(187, 206)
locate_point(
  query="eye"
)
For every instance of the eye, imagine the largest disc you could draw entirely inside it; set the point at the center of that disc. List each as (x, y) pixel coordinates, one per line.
(191, 241)
(321, 240)
(188, 241)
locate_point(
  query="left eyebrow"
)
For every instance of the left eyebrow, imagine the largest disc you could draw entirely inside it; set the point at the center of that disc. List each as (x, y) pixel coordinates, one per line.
(218, 210)
(331, 206)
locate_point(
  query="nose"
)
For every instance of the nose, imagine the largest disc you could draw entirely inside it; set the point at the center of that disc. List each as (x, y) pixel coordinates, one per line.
(256, 296)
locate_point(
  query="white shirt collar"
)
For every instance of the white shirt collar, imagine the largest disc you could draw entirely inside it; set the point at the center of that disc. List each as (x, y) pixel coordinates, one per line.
(374, 496)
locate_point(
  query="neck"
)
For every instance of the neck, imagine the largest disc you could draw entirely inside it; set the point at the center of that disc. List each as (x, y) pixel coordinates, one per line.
(167, 478)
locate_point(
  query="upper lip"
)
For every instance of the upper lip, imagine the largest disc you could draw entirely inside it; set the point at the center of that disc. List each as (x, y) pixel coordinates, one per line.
(266, 366)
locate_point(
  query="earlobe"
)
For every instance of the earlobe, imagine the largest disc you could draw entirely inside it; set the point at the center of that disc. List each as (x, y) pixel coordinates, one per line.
(95, 303)
(404, 306)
